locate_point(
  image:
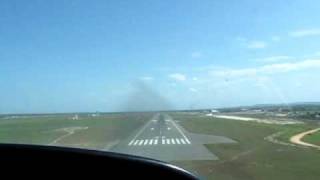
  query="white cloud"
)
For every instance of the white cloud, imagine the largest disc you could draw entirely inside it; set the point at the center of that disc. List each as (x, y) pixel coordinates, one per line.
(241, 39)
(173, 84)
(305, 33)
(195, 79)
(196, 54)
(235, 72)
(262, 82)
(275, 38)
(178, 77)
(193, 90)
(316, 53)
(256, 44)
(274, 58)
(147, 78)
(286, 67)
(269, 69)
(251, 44)
(298, 84)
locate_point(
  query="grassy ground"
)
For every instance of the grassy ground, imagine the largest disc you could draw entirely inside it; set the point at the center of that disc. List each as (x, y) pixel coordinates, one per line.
(101, 130)
(252, 157)
(313, 138)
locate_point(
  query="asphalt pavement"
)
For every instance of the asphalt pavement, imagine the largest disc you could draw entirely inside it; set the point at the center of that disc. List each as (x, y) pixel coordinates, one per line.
(164, 139)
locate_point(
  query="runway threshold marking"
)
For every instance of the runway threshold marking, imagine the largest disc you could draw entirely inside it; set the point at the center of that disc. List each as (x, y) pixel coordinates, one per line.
(141, 142)
(141, 130)
(185, 137)
(145, 142)
(150, 142)
(166, 141)
(136, 142)
(154, 141)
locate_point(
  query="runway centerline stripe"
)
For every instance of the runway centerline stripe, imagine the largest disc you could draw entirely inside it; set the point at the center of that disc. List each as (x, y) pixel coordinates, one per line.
(178, 142)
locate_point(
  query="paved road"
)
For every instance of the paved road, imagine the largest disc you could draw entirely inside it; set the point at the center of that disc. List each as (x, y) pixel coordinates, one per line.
(164, 139)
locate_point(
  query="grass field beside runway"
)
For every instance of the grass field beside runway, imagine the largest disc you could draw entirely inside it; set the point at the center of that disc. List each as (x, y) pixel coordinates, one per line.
(100, 130)
(313, 138)
(252, 157)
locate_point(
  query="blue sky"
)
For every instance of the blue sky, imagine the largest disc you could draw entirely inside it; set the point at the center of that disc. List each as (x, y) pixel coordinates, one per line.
(67, 56)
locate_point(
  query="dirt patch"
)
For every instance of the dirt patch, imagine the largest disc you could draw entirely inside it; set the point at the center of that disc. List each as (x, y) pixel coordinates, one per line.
(69, 131)
(297, 139)
(272, 138)
(267, 121)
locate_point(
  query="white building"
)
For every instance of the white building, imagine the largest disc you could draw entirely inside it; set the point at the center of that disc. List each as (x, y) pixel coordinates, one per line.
(75, 117)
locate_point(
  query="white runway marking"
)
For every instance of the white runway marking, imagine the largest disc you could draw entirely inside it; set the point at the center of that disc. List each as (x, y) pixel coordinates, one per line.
(181, 139)
(166, 141)
(145, 142)
(140, 142)
(131, 142)
(185, 137)
(150, 142)
(141, 130)
(136, 142)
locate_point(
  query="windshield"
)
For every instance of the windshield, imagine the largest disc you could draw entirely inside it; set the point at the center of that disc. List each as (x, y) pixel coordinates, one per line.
(225, 89)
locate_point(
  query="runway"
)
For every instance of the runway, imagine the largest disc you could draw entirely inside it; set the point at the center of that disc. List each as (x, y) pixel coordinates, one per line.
(164, 139)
